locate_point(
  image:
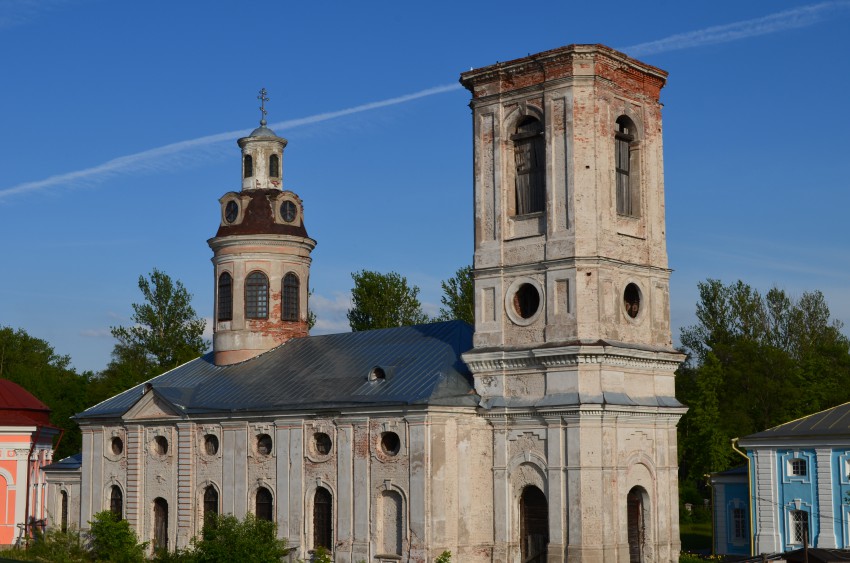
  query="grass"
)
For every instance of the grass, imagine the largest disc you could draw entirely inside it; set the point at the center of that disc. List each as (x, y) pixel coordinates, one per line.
(696, 537)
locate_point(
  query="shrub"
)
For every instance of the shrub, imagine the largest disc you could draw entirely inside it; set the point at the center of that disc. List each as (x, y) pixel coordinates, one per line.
(226, 538)
(444, 557)
(112, 539)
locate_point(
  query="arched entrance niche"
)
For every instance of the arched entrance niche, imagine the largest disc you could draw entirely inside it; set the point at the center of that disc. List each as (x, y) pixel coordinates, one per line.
(533, 525)
(637, 516)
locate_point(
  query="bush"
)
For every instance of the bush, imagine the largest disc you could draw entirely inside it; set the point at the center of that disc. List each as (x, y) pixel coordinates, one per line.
(226, 538)
(113, 540)
(444, 557)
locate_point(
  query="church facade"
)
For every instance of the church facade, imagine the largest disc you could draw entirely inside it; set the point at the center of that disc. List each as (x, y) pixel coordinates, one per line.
(546, 434)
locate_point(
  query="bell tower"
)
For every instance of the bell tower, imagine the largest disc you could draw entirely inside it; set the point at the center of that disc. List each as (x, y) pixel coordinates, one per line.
(261, 255)
(572, 327)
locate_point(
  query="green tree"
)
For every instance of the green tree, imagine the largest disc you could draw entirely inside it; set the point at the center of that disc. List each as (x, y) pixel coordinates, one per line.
(383, 301)
(33, 364)
(226, 538)
(166, 332)
(112, 539)
(458, 297)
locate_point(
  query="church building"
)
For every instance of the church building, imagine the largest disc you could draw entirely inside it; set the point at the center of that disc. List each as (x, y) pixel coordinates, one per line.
(545, 433)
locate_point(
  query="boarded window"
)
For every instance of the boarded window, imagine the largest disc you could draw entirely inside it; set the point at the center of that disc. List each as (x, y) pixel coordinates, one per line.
(530, 164)
(274, 166)
(626, 167)
(257, 296)
(160, 524)
(290, 297)
(392, 521)
(264, 504)
(323, 518)
(534, 525)
(210, 502)
(248, 166)
(116, 502)
(64, 518)
(636, 526)
(225, 297)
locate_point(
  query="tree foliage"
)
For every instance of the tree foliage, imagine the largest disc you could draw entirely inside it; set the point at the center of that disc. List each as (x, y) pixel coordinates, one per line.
(226, 538)
(458, 297)
(755, 361)
(112, 539)
(383, 301)
(166, 333)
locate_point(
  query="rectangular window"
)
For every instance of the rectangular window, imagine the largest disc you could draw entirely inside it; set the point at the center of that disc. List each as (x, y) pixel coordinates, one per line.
(738, 524)
(798, 467)
(799, 526)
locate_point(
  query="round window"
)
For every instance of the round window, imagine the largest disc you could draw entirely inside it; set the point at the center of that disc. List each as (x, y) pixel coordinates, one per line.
(264, 444)
(231, 211)
(390, 443)
(117, 446)
(631, 300)
(288, 211)
(160, 445)
(322, 443)
(526, 301)
(210, 444)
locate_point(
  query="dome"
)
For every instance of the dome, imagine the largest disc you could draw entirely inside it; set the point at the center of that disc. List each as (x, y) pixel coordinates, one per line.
(18, 407)
(262, 131)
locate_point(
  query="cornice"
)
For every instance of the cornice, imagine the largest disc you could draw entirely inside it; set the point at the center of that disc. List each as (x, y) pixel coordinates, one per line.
(233, 241)
(573, 262)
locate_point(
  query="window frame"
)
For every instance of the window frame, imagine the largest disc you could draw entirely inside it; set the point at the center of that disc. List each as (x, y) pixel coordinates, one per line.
(626, 167)
(290, 297)
(225, 301)
(247, 166)
(529, 173)
(256, 300)
(798, 520)
(798, 467)
(274, 166)
(116, 501)
(264, 496)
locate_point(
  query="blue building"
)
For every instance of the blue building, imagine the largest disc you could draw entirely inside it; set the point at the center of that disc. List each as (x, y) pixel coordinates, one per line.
(797, 482)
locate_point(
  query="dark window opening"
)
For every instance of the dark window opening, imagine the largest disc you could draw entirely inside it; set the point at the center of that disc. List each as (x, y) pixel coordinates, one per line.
(526, 301)
(210, 502)
(530, 163)
(636, 524)
(211, 444)
(248, 169)
(290, 297)
(116, 502)
(225, 297)
(631, 300)
(626, 166)
(322, 443)
(264, 444)
(231, 211)
(64, 518)
(534, 525)
(390, 443)
(274, 166)
(257, 296)
(288, 211)
(160, 524)
(378, 374)
(264, 504)
(160, 445)
(322, 519)
(117, 446)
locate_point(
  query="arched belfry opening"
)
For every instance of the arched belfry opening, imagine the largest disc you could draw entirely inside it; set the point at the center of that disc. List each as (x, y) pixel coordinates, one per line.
(533, 525)
(636, 516)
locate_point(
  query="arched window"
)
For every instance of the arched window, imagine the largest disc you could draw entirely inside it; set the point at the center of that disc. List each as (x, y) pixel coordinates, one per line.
(64, 518)
(392, 522)
(160, 524)
(323, 530)
(274, 166)
(636, 524)
(210, 502)
(627, 165)
(248, 166)
(225, 297)
(530, 164)
(257, 296)
(534, 525)
(290, 297)
(116, 501)
(264, 504)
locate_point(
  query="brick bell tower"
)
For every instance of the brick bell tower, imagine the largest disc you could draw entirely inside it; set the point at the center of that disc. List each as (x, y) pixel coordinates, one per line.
(261, 255)
(572, 354)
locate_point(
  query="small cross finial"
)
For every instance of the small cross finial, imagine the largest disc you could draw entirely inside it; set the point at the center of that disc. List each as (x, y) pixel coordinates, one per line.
(263, 99)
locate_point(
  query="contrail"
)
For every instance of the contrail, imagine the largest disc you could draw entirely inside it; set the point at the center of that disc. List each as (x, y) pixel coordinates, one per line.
(803, 16)
(152, 158)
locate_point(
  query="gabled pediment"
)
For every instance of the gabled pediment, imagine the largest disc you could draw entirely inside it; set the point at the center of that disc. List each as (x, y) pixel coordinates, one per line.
(152, 405)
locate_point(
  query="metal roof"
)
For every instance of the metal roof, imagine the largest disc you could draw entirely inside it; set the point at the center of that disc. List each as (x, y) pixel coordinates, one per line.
(825, 424)
(422, 366)
(70, 463)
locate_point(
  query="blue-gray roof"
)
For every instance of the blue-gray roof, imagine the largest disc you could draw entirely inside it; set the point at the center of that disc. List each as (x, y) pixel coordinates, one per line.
(422, 365)
(70, 463)
(831, 423)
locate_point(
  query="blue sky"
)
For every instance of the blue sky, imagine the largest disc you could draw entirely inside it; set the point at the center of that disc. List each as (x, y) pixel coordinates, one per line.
(119, 122)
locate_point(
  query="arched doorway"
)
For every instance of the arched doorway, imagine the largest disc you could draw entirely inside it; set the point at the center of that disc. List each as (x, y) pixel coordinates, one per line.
(160, 524)
(636, 523)
(323, 518)
(533, 525)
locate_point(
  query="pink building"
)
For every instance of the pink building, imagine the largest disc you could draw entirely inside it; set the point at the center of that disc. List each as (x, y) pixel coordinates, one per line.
(26, 445)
